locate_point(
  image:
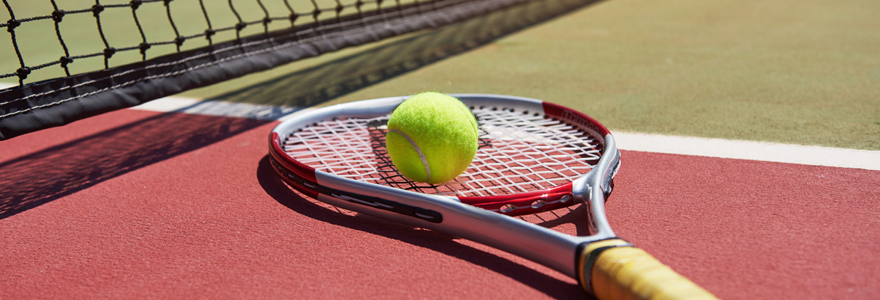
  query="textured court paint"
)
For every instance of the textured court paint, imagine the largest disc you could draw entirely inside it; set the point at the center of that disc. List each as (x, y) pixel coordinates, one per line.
(753, 230)
(741, 229)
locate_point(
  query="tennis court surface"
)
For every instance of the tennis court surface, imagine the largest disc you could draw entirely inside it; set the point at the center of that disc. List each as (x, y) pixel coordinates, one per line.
(750, 158)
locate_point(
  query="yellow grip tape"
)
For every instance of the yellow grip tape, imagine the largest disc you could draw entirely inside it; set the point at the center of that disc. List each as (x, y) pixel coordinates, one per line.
(632, 273)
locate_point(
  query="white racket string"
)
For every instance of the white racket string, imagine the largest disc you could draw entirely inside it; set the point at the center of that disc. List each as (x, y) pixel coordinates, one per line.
(518, 152)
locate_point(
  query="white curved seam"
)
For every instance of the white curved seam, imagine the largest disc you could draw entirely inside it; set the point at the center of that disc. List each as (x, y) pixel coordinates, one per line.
(467, 115)
(421, 155)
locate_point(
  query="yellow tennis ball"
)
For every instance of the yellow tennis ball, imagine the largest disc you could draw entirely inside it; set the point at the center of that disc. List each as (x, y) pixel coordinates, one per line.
(431, 137)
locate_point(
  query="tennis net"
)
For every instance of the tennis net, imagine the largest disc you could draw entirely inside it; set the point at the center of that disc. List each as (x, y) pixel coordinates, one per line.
(93, 57)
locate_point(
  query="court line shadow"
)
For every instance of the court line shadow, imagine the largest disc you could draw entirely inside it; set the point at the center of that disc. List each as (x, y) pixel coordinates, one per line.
(336, 78)
(439, 242)
(41, 177)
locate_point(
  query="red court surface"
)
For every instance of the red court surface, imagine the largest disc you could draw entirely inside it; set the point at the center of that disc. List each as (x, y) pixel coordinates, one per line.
(136, 204)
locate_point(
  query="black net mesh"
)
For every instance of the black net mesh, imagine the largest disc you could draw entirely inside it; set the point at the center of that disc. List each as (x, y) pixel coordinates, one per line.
(106, 30)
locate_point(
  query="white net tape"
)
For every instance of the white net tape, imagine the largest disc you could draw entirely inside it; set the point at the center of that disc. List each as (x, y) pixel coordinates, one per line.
(518, 152)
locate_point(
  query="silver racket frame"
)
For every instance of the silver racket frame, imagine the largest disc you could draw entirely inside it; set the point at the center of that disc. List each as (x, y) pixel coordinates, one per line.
(550, 248)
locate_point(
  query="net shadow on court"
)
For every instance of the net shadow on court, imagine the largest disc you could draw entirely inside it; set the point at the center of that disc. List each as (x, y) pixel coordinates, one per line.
(55, 172)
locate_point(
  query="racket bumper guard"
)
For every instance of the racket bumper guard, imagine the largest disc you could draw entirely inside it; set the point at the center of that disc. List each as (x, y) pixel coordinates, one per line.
(602, 175)
(609, 165)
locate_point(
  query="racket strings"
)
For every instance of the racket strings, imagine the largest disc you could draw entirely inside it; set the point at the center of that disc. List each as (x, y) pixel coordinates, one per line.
(528, 152)
(336, 146)
(517, 152)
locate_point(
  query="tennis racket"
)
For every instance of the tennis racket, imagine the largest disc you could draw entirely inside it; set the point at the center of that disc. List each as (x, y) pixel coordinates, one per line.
(533, 157)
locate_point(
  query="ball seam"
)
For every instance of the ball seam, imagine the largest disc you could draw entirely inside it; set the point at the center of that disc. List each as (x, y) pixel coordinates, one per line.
(418, 150)
(467, 115)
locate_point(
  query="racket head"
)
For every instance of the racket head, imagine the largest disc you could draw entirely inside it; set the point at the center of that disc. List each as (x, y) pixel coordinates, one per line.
(529, 152)
(336, 155)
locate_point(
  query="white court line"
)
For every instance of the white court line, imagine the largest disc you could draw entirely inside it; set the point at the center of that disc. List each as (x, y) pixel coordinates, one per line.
(761, 151)
(749, 150)
(217, 108)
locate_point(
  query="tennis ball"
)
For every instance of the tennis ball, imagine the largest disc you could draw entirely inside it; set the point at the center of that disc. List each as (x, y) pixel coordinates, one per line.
(431, 137)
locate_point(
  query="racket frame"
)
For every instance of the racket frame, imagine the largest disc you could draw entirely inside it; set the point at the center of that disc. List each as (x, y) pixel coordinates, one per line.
(550, 248)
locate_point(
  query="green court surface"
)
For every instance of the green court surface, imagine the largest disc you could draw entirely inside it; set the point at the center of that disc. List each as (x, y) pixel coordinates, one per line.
(797, 72)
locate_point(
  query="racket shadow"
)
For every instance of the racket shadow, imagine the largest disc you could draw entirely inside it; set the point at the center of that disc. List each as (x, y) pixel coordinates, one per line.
(439, 242)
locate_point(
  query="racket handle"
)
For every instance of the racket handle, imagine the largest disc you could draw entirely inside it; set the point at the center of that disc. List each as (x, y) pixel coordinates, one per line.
(617, 270)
